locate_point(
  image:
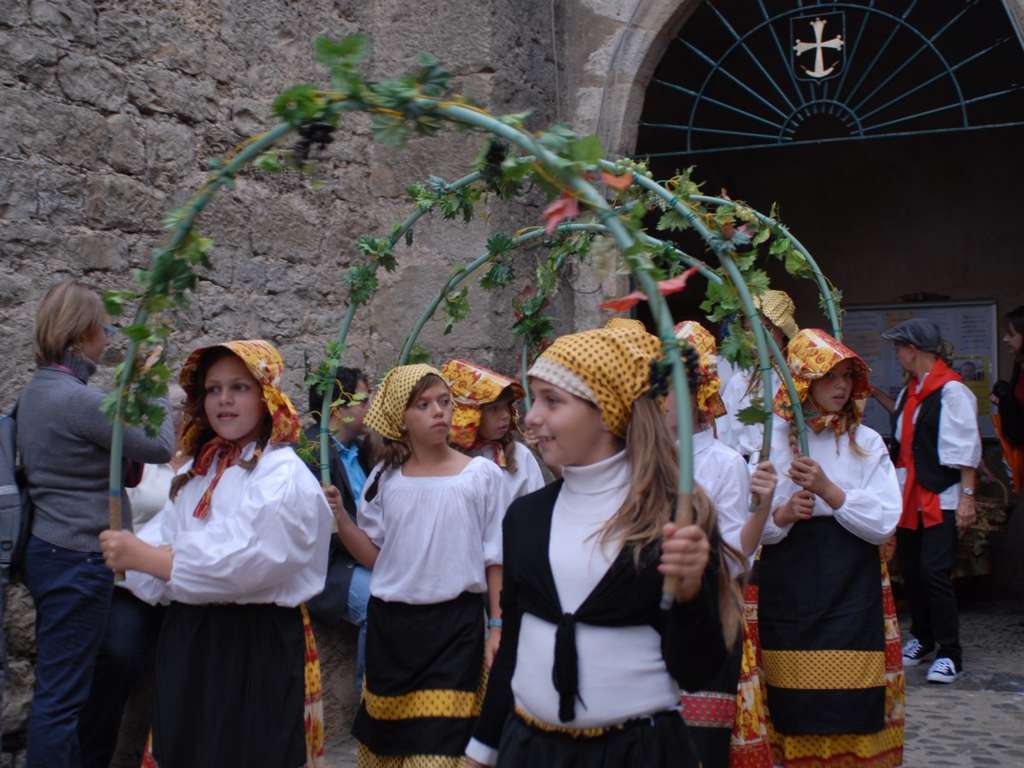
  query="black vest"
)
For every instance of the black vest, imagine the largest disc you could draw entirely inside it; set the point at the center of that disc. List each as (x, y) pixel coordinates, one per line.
(931, 475)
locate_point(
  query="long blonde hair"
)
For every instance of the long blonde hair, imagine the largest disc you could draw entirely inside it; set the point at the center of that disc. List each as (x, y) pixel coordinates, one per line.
(651, 502)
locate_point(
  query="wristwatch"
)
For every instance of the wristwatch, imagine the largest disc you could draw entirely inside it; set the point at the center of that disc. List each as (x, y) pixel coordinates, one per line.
(967, 491)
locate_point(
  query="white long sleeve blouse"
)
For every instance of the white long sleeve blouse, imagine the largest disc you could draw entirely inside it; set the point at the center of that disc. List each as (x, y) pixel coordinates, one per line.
(436, 535)
(724, 476)
(873, 500)
(743, 438)
(265, 539)
(528, 476)
(959, 439)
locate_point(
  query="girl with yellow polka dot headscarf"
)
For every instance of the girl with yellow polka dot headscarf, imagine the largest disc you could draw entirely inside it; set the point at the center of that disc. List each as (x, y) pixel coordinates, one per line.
(429, 527)
(744, 387)
(737, 732)
(586, 648)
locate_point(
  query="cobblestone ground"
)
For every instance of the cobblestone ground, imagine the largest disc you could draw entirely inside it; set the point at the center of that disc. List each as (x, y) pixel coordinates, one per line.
(976, 722)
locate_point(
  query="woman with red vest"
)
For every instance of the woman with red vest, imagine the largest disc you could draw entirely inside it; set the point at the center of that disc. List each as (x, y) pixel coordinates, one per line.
(938, 447)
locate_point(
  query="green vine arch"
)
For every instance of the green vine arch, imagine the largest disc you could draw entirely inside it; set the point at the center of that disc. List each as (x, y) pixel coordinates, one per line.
(565, 166)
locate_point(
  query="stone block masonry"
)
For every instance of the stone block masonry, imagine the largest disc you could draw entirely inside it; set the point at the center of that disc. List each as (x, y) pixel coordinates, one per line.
(111, 112)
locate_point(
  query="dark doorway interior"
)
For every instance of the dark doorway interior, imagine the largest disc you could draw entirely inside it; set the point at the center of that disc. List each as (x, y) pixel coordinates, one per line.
(932, 213)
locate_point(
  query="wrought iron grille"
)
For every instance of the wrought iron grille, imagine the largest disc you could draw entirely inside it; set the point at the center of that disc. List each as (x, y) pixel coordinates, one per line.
(746, 74)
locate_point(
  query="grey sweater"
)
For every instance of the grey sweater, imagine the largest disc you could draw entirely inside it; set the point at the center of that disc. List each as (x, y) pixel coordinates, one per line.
(64, 441)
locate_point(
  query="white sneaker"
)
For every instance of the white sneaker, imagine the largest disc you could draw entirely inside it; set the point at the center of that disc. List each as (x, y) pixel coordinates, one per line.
(942, 670)
(914, 653)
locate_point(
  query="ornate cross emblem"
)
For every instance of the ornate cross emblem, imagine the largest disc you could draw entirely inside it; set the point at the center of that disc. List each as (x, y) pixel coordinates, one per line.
(818, 47)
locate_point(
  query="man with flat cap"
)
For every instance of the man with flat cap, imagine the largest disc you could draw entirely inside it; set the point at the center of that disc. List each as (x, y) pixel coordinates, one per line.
(938, 446)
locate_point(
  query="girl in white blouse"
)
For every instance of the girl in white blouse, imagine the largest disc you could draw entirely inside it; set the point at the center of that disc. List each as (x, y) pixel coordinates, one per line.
(827, 623)
(429, 527)
(726, 719)
(242, 543)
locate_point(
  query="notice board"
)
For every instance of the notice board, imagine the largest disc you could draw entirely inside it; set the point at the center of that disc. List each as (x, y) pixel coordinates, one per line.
(971, 326)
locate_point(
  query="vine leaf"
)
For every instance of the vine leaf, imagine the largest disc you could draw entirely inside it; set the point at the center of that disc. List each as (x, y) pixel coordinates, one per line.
(500, 274)
(753, 414)
(665, 288)
(625, 181)
(456, 309)
(564, 207)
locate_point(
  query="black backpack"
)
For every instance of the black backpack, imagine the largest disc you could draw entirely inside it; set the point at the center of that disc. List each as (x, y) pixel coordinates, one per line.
(15, 507)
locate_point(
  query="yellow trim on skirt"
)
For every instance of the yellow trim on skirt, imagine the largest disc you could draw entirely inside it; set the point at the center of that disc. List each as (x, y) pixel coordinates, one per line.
(824, 670)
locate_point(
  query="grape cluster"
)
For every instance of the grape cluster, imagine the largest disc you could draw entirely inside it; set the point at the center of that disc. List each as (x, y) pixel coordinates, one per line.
(497, 151)
(320, 134)
(691, 359)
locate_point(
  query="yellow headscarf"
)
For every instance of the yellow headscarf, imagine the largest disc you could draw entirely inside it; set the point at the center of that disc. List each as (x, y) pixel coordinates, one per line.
(811, 354)
(709, 399)
(265, 364)
(386, 414)
(473, 387)
(608, 366)
(779, 308)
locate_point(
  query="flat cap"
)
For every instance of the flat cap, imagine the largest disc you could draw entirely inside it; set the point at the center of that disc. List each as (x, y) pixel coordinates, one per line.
(917, 332)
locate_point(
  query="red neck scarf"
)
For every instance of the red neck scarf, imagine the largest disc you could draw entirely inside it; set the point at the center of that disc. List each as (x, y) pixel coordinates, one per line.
(492, 450)
(226, 453)
(916, 497)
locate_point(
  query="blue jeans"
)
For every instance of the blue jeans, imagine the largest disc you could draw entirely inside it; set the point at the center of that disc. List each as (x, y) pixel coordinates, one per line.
(72, 592)
(358, 600)
(125, 655)
(5, 577)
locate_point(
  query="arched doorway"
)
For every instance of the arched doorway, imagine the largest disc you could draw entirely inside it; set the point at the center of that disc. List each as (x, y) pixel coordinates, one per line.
(888, 131)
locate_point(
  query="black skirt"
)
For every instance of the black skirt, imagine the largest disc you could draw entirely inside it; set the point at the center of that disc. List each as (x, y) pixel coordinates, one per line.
(822, 631)
(710, 713)
(424, 666)
(659, 741)
(230, 687)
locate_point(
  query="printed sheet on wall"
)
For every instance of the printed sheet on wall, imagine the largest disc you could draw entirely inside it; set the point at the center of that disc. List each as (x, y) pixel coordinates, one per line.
(971, 328)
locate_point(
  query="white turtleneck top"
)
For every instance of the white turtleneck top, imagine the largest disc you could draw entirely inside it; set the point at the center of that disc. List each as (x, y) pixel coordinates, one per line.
(622, 672)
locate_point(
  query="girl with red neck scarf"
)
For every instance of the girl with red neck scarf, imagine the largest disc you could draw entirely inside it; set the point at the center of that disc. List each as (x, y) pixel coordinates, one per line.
(826, 619)
(238, 549)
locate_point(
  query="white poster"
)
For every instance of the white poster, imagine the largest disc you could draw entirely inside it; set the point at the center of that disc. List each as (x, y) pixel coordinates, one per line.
(971, 327)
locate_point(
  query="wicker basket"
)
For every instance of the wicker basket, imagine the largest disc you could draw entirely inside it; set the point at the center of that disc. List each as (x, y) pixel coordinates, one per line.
(972, 549)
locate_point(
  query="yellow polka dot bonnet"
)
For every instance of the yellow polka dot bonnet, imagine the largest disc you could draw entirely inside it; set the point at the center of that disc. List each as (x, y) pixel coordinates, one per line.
(386, 414)
(709, 398)
(607, 366)
(779, 308)
(473, 387)
(266, 365)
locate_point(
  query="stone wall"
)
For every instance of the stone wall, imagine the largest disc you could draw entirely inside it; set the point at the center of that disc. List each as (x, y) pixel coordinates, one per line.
(112, 111)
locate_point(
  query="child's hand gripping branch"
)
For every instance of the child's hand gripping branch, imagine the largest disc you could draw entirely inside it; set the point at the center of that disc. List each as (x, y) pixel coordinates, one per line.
(684, 556)
(124, 551)
(762, 489)
(809, 475)
(355, 540)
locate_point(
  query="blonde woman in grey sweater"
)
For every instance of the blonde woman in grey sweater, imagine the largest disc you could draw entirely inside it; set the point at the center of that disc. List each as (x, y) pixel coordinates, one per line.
(64, 440)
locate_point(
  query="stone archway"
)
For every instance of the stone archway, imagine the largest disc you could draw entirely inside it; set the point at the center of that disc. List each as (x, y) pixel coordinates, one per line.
(616, 48)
